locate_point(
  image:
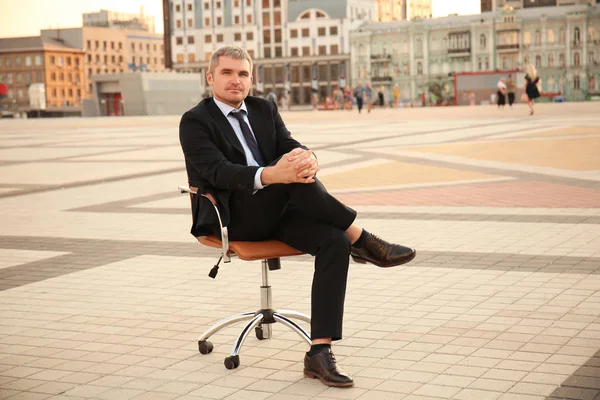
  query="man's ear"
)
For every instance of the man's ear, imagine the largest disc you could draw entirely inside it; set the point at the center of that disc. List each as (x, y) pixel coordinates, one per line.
(209, 78)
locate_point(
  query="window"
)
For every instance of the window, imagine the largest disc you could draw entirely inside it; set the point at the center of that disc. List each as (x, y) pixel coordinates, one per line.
(132, 46)
(294, 33)
(267, 52)
(265, 4)
(189, 7)
(249, 18)
(591, 58)
(322, 50)
(190, 40)
(277, 35)
(249, 35)
(538, 37)
(207, 39)
(38, 60)
(206, 6)
(219, 38)
(591, 33)
(550, 60)
(334, 49)
(191, 57)
(576, 82)
(89, 44)
(267, 36)
(419, 68)
(236, 19)
(561, 35)
(322, 31)
(294, 51)
(28, 61)
(236, 3)
(561, 60)
(180, 58)
(320, 14)
(191, 22)
(179, 40)
(206, 21)
(219, 21)
(178, 23)
(527, 38)
(177, 8)
(305, 32)
(577, 36)
(538, 61)
(482, 41)
(53, 77)
(266, 19)
(576, 59)
(248, 3)
(480, 64)
(120, 46)
(550, 36)
(278, 51)
(218, 4)
(305, 50)
(333, 30)
(18, 60)
(237, 37)
(277, 18)
(96, 44)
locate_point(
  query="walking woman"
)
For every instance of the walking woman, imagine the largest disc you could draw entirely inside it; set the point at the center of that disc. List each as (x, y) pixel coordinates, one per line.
(531, 80)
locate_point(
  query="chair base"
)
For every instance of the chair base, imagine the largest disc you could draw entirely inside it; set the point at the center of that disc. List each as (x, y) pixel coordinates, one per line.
(260, 322)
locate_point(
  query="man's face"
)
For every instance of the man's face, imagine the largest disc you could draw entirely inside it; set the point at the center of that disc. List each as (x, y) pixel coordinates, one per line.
(231, 80)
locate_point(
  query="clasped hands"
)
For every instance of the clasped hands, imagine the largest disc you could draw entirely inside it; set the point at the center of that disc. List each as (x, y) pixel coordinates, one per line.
(297, 166)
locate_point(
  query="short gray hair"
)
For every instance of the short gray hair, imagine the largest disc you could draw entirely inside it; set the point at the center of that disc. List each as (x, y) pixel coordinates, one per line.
(234, 52)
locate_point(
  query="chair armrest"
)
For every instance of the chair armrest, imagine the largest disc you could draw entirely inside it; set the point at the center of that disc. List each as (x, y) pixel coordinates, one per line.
(224, 235)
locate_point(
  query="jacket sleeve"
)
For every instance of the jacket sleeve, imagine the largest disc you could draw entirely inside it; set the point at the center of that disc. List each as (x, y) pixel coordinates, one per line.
(203, 154)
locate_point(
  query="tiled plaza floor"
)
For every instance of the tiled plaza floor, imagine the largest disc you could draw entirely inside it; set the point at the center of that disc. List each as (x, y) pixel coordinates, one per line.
(103, 292)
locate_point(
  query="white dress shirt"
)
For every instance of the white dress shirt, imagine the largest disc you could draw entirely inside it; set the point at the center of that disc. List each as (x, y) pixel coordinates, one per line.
(235, 124)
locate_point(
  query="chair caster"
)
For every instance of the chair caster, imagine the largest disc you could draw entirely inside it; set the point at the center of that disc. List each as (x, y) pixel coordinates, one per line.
(232, 362)
(205, 346)
(259, 332)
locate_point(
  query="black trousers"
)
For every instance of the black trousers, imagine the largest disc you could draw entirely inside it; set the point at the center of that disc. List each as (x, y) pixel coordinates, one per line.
(308, 218)
(511, 99)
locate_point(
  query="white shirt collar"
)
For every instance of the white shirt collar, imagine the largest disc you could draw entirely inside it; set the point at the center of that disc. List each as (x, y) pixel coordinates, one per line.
(226, 108)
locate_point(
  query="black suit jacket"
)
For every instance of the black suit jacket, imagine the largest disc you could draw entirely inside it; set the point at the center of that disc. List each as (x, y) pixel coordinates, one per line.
(215, 160)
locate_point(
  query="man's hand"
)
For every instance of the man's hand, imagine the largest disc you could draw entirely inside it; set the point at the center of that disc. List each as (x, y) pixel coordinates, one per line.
(297, 166)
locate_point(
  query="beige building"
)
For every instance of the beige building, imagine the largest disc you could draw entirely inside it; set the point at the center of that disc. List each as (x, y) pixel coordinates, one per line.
(28, 60)
(395, 10)
(492, 5)
(110, 50)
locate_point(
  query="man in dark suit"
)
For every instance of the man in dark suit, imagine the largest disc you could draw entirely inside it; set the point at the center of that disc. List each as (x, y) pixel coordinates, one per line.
(238, 148)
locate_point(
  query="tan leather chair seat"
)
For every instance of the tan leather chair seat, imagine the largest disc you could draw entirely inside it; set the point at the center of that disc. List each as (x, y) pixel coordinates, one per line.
(250, 251)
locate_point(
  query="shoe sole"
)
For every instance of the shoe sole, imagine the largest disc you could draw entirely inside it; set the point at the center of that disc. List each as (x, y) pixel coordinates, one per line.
(310, 374)
(363, 261)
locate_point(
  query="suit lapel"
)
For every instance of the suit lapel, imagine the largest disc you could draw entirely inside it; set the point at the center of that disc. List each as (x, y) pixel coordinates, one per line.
(225, 127)
(259, 128)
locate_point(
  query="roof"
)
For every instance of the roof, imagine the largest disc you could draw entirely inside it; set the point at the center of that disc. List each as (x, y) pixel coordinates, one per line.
(466, 20)
(33, 43)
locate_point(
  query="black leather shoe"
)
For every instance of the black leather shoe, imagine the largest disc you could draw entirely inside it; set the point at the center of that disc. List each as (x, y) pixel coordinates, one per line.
(323, 366)
(381, 253)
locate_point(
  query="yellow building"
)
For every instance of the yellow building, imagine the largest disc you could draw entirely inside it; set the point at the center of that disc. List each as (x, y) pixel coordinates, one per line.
(112, 50)
(28, 60)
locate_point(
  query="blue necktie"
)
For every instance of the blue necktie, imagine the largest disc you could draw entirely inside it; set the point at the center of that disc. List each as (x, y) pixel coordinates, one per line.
(250, 140)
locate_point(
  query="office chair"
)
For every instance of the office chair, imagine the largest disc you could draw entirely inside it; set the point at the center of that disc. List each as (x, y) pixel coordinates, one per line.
(269, 252)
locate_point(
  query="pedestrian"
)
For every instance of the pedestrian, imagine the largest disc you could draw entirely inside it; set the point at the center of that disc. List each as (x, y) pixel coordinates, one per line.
(501, 92)
(359, 93)
(380, 97)
(511, 88)
(396, 94)
(531, 90)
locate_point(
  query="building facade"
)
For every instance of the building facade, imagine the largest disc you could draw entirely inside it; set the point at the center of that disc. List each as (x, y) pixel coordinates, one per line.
(394, 10)
(423, 55)
(298, 46)
(492, 5)
(113, 42)
(28, 60)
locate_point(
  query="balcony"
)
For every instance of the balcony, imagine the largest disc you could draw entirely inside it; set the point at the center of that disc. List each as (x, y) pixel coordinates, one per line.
(381, 57)
(507, 48)
(381, 79)
(464, 52)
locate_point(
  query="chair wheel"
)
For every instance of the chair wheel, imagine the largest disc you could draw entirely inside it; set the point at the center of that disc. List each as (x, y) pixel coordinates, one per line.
(259, 333)
(232, 362)
(205, 346)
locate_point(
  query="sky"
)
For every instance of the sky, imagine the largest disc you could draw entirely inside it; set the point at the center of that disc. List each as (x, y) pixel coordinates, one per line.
(28, 17)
